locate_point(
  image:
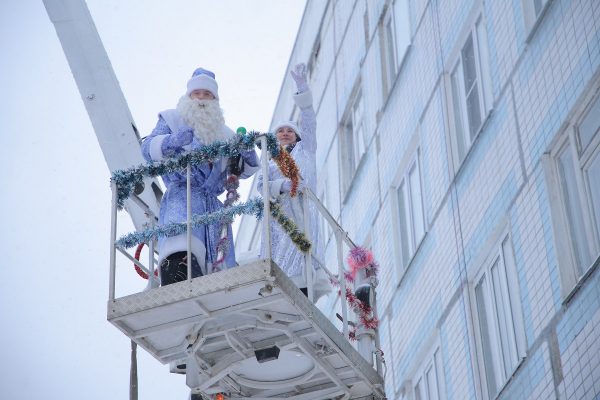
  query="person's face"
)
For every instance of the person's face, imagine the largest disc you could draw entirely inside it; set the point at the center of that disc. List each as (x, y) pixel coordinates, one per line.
(286, 135)
(202, 94)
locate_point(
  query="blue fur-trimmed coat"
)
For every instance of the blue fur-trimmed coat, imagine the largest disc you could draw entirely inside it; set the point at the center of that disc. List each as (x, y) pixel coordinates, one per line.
(207, 182)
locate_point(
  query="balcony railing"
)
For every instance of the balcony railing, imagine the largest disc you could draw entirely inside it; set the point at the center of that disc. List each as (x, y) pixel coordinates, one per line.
(122, 185)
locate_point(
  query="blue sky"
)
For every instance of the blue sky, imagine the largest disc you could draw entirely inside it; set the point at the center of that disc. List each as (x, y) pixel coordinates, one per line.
(55, 199)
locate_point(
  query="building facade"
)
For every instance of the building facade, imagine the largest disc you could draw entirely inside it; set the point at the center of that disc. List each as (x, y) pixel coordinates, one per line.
(459, 140)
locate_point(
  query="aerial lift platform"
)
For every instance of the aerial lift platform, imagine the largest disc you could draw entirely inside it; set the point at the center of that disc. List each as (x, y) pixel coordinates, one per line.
(247, 332)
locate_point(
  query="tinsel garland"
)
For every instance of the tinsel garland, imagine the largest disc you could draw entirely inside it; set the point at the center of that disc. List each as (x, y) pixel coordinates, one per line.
(359, 258)
(231, 184)
(225, 215)
(290, 227)
(253, 207)
(126, 180)
(289, 169)
(364, 311)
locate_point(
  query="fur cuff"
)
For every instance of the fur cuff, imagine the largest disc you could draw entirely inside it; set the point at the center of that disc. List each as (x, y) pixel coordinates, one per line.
(304, 99)
(177, 243)
(156, 148)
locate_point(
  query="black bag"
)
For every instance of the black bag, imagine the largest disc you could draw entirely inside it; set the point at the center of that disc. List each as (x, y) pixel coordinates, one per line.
(235, 165)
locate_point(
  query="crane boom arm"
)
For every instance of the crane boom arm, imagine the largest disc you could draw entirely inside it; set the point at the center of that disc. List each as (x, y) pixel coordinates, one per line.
(102, 97)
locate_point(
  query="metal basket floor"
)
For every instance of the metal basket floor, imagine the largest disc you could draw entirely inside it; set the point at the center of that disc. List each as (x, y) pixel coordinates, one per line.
(214, 323)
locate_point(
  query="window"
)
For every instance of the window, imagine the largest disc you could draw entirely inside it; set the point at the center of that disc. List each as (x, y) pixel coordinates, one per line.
(410, 212)
(429, 380)
(573, 170)
(389, 59)
(499, 320)
(354, 141)
(394, 40)
(313, 62)
(470, 88)
(532, 11)
(538, 6)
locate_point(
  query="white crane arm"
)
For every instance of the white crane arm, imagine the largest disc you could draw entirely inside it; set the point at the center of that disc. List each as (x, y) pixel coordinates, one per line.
(103, 98)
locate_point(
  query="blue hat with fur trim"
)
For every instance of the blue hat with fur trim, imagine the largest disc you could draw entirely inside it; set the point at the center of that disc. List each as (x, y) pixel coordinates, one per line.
(203, 79)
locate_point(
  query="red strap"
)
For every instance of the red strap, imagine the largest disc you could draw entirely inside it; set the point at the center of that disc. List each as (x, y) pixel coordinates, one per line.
(138, 252)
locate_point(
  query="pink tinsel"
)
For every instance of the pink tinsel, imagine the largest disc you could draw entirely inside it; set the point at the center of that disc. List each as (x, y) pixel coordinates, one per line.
(349, 277)
(358, 259)
(364, 311)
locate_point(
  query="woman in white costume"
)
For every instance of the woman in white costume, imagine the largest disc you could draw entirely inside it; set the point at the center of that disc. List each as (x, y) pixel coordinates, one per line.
(301, 142)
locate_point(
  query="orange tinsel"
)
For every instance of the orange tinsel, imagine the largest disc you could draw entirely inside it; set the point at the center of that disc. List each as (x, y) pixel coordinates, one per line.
(289, 169)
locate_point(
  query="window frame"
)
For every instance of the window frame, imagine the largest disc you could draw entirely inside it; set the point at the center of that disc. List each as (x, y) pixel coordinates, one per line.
(391, 59)
(350, 165)
(497, 255)
(314, 60)
(531, 19)
(476, 30)
(388, 45)
(423, 360)
(359, 140)
(411, 161)
(429, 363)
(571, 272)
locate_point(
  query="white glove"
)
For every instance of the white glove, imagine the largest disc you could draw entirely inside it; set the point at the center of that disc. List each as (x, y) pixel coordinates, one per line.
(286, 186)
(173, 144)
(299, 76)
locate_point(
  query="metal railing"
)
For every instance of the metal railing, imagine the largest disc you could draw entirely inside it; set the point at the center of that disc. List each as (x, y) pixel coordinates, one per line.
(341, 237)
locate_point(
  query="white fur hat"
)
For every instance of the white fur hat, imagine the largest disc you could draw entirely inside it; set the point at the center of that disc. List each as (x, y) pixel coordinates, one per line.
(203, 79)
(291, 125)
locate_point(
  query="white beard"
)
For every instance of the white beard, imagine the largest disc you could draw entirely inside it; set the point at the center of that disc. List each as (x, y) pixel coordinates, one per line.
(205, 117)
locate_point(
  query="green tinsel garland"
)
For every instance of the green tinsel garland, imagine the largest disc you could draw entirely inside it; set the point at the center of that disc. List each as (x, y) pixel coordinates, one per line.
(224, 215)
(290, 227)
(126, 180)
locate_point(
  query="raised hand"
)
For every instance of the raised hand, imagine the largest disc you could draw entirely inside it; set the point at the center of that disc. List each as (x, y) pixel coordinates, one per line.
(299, 76)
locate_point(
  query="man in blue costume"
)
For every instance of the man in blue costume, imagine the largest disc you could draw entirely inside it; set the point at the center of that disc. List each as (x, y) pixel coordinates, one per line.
(196, 121)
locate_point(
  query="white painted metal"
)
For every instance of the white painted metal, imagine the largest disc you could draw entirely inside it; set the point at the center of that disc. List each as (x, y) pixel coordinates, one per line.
(214, 323)
(152, 280)
(308, 268)
(372, 280)
(342, 280)
(113, 239)
(188, 200)
(187, 323)
(264, 159)
(377, 337)
(133, 260)
(364, 337)
(102, 97)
